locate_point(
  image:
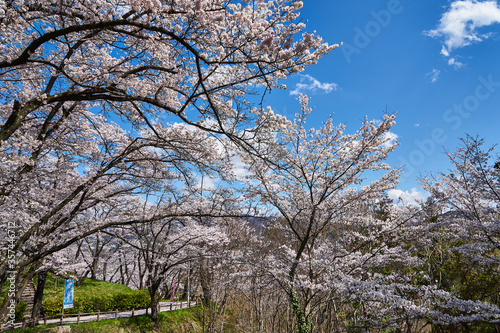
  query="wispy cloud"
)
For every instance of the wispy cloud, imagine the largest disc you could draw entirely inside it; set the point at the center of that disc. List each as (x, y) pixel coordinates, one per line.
(433, 75)
(459, 26)
(310, 84)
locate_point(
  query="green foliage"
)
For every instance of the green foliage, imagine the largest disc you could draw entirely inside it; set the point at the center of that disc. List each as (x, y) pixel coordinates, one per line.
(55, 286)
(20, 310)
(449, 269)
(303, 325)
(101, 302)
(93, 296)
(5, 290)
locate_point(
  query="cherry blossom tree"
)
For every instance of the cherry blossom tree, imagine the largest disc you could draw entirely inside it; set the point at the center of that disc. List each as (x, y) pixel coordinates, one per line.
(92, 166)
(65, 66)
(164, 246)
(94, 248)
(462, 236)
(145, 60)
(472, 191)
(318, 189)
(261, 302)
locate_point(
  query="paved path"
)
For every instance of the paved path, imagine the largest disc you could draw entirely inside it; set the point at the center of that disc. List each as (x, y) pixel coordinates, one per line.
(164, 306)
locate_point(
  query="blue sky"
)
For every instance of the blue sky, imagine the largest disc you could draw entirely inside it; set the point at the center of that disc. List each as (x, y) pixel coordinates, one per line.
(435, 63)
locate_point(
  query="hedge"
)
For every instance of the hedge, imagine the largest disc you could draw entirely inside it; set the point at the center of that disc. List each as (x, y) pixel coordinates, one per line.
(135, 299)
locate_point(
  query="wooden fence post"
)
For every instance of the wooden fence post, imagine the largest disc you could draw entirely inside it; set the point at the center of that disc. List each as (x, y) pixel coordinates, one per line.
(98, 314)
(116, 313)
(45, 320)
(181, 305)
(171, 306)
(133, 312)
(78, 318)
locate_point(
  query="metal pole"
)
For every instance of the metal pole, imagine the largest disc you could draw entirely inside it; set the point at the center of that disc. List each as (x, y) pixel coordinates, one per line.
(189, 269)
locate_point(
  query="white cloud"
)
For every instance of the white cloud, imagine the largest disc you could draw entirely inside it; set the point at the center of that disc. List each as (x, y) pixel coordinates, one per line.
(405, 197)
(309, 83)
(209, 183)
(239, 167)
(433, 75)
(459, 25)
(445, 52)
(390, 137)
(206, 182)
(455, 63)
(416, 124)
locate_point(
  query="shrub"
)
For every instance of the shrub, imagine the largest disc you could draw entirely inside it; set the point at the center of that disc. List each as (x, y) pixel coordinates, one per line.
(134, 299)
(20, 310)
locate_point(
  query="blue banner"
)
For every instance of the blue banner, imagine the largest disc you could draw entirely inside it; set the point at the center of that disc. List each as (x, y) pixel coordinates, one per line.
(68, 294)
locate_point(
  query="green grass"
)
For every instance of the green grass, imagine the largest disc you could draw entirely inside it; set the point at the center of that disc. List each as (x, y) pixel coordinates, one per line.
(87, 288)
(92, 296)
(180, 321)
(55, 288)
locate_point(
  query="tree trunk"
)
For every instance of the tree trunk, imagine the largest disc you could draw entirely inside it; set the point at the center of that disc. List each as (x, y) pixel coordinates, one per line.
(303, 325)
(121, 273)
(37, 302)
(95, 259)
(205, 278)
(95, 265)
(104, 268)
(141, 273)
(154, 303)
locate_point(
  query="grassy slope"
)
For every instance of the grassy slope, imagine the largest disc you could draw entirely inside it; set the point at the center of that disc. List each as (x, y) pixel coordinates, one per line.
(89, 287)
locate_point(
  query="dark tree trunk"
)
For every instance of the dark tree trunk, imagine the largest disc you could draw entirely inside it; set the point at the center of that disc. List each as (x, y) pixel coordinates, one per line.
(153, 290)
(121, 273)
(104, 268)
(127, 275)
(37, 301)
